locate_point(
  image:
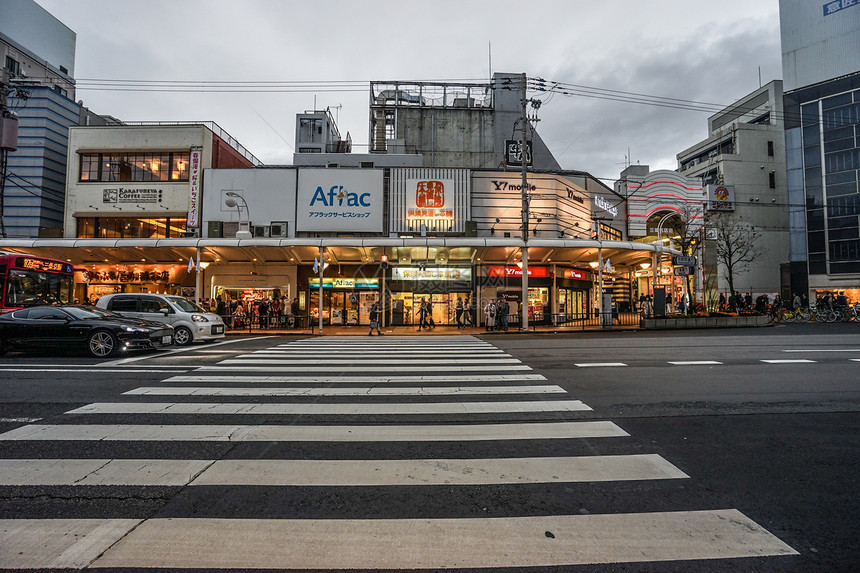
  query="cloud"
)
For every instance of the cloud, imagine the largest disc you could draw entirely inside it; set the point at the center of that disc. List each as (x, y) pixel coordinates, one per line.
(594, 134)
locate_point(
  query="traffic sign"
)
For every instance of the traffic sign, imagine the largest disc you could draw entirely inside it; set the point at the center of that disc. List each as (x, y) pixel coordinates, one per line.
(684, 261)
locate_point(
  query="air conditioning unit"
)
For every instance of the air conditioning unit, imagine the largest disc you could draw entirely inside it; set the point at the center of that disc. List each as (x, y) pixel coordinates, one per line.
(278, 229)
(261, 230)
(215, 229)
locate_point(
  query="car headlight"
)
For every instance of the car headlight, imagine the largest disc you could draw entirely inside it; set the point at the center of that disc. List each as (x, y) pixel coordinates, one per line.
(127, 328)
(199, 318)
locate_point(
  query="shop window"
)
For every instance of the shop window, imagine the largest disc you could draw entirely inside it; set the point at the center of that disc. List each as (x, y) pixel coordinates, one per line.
(135, 167)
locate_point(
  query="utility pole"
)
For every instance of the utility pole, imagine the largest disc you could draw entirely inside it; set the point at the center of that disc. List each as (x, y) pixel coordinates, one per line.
(8, 141)
(524, 318)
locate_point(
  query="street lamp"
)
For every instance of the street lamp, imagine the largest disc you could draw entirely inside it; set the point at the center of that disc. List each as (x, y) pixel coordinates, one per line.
(658, 256)
(232, 200)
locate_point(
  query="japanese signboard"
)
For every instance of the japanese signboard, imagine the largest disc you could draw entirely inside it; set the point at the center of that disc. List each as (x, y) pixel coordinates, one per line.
(426, 199)
(721, 198)
(339, 200)
(431, 274)
(195, 169)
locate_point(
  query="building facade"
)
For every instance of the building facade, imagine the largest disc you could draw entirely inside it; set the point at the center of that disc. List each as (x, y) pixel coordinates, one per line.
(745, 154)
(821, 71)
(37, 53)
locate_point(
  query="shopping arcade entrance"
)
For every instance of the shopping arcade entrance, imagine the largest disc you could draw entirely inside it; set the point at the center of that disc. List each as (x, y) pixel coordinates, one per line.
(261, 253)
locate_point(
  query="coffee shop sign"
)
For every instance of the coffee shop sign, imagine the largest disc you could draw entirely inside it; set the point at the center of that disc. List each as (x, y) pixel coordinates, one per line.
(602, 203)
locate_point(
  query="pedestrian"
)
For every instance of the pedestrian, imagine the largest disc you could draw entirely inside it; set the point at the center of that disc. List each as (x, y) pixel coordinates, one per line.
(490, 315)
(471, 312)
(459, 312)
(795, 302)
(294, 312)
(263, 311)
(374, 319)
(422, 315)
(276, 311)
(430, 313)
(504, 309)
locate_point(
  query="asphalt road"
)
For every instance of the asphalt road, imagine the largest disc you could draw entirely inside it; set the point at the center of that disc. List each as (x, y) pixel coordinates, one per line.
(752, 428)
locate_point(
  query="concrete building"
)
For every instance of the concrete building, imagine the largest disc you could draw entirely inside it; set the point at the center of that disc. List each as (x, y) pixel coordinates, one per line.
(656, 202)
(745, 153)
(453, 125)
(821, 71)
(37, 53)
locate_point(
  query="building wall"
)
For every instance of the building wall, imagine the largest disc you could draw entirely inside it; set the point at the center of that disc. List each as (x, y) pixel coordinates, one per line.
(819, 40)
(45, 39)
(36, 186)
(86, 198)
(269, 192)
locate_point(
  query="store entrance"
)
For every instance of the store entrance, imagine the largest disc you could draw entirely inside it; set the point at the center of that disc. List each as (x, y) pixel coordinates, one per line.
(405, 306)
(343, 308)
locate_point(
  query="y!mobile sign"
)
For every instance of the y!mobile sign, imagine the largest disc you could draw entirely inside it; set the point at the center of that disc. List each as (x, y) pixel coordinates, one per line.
(339, 200)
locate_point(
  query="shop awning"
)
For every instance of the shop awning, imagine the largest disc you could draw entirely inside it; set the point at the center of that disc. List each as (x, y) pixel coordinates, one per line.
(343, 250)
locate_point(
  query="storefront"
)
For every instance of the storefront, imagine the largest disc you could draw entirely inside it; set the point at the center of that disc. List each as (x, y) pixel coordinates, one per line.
(439, 286)
(574, 289)
(346, 301)
(98, 280)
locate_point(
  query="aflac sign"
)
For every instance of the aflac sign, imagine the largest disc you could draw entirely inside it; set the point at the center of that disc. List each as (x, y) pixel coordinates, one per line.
(339, 200)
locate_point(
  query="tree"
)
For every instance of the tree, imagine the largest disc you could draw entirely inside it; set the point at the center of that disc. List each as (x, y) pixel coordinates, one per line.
(737, 244)
(686, 231)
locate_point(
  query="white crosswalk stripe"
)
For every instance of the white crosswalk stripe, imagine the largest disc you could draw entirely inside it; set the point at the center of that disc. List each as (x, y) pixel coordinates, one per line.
(458, 391)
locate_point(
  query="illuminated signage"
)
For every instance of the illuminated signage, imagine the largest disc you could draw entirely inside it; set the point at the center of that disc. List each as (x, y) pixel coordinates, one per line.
(428, 199)
(344, 283)
(576, 274)
(194, 189)
(602, 203)
(43, 265)
(721, 198)
(339, 200)
(435, 274)
(534, 272)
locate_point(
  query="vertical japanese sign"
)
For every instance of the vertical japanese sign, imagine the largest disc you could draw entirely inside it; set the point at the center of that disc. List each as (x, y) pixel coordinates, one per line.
(193, 220)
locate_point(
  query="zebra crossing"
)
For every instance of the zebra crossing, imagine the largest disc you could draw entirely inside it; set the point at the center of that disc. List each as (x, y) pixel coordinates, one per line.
(352, 453)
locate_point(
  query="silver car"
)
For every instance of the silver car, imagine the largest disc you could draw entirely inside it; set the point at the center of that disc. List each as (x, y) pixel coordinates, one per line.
(189, 321)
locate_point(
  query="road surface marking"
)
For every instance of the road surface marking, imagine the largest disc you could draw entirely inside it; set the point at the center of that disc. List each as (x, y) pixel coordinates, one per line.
(358, 379)
(374, 368)
(363, 433)
(175, 351)
(60, 472)
(400, 544)
(697, 363)
(364, 391)
(317, 409)
(438, 472)
(376, 359)
(58, 543)
(335, 473)
(801, 361)
(825, 350)
(599, 364)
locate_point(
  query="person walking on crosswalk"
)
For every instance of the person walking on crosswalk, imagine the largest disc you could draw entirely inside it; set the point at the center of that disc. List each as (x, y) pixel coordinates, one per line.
(423, 310)
(374, 319)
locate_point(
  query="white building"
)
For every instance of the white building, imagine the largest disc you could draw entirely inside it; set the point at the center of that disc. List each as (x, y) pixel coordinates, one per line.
(745, 153)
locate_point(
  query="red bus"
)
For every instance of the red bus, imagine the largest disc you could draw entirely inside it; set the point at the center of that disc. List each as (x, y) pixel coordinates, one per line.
(28, 281)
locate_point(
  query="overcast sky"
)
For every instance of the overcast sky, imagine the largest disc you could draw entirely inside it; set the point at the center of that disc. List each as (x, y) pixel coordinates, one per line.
(691, 50)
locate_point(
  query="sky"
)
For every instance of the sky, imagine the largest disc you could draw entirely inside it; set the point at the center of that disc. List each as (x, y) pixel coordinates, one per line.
(704, 51)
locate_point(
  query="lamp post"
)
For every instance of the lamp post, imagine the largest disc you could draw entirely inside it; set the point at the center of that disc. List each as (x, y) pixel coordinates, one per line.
(658, 255)
(232, 200)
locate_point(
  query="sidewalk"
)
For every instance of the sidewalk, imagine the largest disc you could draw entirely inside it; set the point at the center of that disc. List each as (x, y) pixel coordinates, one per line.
(339, 330)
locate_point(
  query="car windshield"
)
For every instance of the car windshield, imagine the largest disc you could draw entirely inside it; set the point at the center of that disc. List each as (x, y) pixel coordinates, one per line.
(82, 312)
(184, 305)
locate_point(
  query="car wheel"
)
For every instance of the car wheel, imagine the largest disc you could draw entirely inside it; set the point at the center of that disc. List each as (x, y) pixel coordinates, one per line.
(182, 336)
(102, 344)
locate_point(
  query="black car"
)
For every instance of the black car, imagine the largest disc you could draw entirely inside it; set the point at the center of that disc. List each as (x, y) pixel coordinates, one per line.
(101, 332)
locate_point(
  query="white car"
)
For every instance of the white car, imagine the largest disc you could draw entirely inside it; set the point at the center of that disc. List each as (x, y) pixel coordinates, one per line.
(189, 321)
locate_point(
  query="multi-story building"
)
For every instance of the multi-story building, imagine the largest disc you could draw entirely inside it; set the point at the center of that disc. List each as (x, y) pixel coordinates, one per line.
(37, 52)
(745, 154)
(821, 74)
